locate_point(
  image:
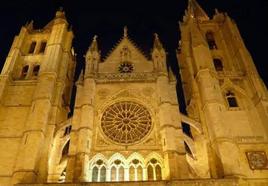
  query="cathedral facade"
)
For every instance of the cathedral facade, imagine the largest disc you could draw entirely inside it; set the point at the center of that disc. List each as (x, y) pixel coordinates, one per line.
(126, 127)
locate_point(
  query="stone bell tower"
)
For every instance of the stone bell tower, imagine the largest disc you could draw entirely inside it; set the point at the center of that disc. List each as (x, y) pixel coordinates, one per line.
(36, 83)
(224, 91)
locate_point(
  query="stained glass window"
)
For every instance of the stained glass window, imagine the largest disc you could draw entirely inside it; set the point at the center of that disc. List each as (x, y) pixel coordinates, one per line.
(126, 122)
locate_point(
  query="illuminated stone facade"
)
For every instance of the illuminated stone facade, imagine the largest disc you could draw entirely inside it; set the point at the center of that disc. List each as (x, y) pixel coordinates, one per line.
(127, 128)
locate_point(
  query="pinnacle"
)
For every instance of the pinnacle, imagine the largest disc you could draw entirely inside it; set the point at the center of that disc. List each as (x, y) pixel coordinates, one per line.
(157, 43)
(125, 32)
(196, 11)
(60, 13)
(94, 44)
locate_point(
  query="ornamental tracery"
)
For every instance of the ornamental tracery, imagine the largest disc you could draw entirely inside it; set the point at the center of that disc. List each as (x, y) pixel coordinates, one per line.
(126, 122)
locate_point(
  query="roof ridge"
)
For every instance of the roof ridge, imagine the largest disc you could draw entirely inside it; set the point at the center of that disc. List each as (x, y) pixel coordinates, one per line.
(125, 37)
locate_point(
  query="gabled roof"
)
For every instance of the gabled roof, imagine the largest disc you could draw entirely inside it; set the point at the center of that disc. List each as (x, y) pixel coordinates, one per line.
(125, 42)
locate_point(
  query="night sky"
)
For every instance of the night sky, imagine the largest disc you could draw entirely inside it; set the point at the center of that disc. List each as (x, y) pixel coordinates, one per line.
(143, 18)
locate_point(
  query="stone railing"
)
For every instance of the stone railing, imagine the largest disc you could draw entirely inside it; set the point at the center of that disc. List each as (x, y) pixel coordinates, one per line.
(121, 77)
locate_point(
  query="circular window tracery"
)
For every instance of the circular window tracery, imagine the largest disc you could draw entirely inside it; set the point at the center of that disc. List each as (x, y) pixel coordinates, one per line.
(125, 67)
(126, 122)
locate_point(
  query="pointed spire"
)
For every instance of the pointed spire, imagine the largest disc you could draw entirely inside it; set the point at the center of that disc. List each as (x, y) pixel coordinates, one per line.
(195, 11)
(157, 43)
(125, 32)
(94, 44)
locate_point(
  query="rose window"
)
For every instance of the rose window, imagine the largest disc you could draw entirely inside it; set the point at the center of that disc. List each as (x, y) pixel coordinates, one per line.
(125, 67)
(126, 122)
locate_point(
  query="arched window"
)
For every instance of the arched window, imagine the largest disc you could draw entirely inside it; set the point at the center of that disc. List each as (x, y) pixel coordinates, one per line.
(65, 149)
(211, 40)
(113, 174)
(131, 173)
(42, 47)
(95, 174)
(154, 170)
(121, 173)
(136, 170)
(117, 170)
(24, 72)
(32, 47)
(36, 70)
(231, 99)
(150, 173)
(218, 64)
(158, 172)
(103, 174)
(98, 173)
(139, 173)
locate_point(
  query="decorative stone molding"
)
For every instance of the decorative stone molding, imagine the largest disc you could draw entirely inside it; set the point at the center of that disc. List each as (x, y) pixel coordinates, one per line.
(125, 77)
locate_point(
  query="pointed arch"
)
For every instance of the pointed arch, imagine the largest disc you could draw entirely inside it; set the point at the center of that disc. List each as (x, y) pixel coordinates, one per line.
(154, 155)
(158, 172)
(95, 174)
(154, 161)
(233, 93)
(229, 85)
(121, 173)
(116, 156)
(135, 155)
(97, 157)
(139, 173)
(113, 173)
(131, 173)
(98, 163)
(150, 172)
(103, 174)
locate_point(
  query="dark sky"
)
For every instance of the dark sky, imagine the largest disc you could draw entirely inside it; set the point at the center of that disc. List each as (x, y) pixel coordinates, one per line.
(107, 18)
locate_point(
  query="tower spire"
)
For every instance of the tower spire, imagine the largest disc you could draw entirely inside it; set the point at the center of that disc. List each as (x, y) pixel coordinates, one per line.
(196, 11)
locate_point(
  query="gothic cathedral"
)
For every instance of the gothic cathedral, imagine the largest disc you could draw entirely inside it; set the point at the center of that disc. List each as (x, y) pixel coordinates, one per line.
(126, 127)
